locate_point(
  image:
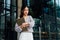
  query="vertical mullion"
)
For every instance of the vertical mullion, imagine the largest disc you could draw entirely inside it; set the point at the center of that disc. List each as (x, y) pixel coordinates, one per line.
(11, 19)
(5, 20)
(16, 8)
(55, 15)
(0, 22)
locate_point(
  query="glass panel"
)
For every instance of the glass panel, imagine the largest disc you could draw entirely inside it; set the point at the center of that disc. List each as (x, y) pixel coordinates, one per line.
(58, 18)
(8, 4)
(2, 28)
(49, 15)
(2, 20)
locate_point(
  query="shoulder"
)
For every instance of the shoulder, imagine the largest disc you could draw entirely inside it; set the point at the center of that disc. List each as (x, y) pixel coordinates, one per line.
(29, 16)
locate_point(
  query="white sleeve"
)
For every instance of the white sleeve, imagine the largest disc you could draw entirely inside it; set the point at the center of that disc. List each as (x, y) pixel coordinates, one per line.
(32, 22)
(17, 28)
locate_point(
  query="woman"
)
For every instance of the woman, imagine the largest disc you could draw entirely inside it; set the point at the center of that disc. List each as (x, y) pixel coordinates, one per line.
(29, 23)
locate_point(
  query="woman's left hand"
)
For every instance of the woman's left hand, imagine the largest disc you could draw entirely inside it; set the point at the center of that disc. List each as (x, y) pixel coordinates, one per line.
(27, 24)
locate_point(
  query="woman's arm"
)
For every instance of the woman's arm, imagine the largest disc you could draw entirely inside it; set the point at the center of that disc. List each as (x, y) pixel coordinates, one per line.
(17, 28)
(31, 23)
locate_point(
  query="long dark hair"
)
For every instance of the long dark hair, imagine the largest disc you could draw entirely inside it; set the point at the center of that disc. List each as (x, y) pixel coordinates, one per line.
(22, 9)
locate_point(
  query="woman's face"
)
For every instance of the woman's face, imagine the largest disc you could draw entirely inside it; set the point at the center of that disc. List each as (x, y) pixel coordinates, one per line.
(26, 10)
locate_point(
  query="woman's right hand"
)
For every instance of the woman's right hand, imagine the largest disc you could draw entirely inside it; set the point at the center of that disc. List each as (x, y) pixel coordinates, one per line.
(24, 25)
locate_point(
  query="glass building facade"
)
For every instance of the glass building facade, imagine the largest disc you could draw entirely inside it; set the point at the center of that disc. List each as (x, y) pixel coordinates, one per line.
(7, 18)
(46, 14)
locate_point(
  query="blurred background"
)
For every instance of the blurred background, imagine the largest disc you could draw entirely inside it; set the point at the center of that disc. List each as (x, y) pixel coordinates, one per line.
(46, 14)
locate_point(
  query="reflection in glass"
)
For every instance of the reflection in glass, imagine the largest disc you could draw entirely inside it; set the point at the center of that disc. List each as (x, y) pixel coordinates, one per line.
(8, 4)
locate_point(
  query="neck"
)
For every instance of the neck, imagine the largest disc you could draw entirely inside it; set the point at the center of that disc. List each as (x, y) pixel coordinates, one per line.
(25, 16)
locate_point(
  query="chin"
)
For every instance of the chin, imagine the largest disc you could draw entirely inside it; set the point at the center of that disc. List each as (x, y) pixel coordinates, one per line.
(26, 15)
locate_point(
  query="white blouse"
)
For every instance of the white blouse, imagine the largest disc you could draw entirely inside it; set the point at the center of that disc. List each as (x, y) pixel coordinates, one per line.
(30, 20)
